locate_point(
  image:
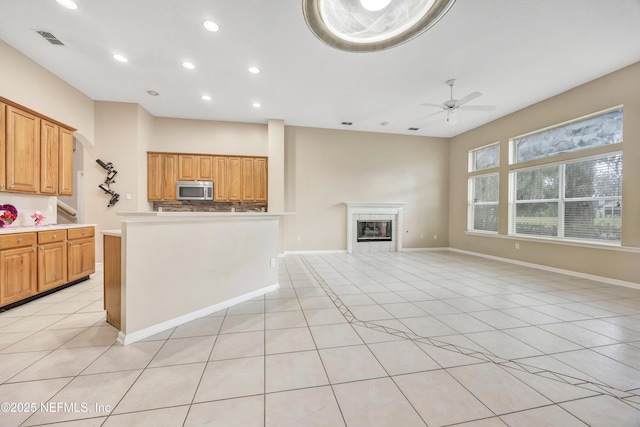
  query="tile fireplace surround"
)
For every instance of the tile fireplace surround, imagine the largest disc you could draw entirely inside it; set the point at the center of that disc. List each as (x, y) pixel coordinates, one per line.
(373, 211)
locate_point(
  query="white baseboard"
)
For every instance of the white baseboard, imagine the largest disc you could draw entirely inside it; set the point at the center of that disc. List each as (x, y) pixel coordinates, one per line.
(439, 248)
(328, 251)
(125, 339)
(553, 269)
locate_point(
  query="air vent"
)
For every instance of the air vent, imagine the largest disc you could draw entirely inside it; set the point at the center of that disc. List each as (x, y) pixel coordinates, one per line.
(50, 38)
(414, 129)
(347, 123)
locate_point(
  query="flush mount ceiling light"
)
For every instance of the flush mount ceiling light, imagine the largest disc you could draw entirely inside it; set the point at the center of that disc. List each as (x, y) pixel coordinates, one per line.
(210, 26)
(120, 58)
(371, 25)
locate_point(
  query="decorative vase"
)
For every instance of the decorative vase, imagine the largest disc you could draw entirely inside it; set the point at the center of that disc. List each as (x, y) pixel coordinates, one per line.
(5, 225)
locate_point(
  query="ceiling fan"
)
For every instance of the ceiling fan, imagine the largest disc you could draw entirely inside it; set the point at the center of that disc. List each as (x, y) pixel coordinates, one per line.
(453, 105)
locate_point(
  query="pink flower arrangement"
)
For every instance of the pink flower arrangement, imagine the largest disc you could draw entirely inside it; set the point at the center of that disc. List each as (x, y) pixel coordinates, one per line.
(38, 217)
(9, 214)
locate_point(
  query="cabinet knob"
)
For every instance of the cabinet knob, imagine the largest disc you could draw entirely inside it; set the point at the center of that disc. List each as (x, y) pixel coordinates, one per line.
(11, 186)
(55, 235)
(1, 185)
(33, 249)
(19, 239)
(42, 248)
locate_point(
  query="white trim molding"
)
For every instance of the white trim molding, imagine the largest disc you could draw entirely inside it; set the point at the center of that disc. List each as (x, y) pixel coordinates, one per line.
(375, 208)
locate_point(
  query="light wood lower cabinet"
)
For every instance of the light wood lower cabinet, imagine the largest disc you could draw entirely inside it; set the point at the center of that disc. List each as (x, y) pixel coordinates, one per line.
(81, 254)
(112, 279)
(52, 259)
(18, 267)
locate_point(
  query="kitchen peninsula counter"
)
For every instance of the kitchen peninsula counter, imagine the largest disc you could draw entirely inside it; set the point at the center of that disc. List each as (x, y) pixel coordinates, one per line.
(179, 266)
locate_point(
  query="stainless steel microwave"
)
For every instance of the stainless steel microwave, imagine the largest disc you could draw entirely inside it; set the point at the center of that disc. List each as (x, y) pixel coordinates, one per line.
(194, 190)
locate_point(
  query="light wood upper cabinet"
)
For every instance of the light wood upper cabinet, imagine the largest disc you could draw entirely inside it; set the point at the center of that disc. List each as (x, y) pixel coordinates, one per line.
(36, 153)
(195, 167)
(187, 168)
(205, 168)
(3, 135)
(260, 177)
(248, 192)
(22, 151)
(235, 178)
(162, 174)
(65, 163)
(49, 155)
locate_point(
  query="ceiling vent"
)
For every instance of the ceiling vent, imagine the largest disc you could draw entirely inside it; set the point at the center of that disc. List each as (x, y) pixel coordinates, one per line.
(50, 37)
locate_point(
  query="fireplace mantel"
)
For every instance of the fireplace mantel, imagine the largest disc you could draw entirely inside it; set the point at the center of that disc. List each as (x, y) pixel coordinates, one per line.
(375, 208)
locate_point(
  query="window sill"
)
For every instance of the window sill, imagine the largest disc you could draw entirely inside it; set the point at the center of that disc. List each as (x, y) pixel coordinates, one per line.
(581, 244)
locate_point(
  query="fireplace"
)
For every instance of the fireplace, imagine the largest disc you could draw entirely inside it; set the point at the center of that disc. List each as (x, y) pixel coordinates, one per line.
(374, 231)
(374, 226)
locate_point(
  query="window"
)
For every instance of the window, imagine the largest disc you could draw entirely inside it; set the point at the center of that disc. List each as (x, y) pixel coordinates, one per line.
(484, 158)
(595, 131)
(483, 206)
(484, 188)
(580, 198)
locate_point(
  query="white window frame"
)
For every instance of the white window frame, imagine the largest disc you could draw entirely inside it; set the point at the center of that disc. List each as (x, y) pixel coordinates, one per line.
(471, 203)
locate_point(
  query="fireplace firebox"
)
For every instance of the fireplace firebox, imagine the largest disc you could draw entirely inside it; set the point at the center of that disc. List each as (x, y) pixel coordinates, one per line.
(374, 231)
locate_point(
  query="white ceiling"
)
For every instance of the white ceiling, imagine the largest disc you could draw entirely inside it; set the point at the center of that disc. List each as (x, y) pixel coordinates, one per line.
(516, 52)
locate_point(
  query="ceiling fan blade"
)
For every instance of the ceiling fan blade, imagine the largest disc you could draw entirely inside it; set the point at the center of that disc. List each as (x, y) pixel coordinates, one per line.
(468, 98)
(432, 105)
(431, 115)
(478, 107)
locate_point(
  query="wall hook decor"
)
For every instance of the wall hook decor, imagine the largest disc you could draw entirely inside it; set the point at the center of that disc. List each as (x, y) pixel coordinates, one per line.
(106, 186)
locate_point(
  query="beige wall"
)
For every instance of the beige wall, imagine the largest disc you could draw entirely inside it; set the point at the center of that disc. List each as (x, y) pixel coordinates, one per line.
(619, 88)
(27, 83)
(201, 136)
(325, 168)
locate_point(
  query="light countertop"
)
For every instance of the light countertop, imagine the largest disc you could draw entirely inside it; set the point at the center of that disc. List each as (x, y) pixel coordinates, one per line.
(44, 227)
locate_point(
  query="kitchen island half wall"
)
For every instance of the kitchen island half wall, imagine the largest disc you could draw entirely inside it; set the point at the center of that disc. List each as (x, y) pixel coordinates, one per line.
(179, 266)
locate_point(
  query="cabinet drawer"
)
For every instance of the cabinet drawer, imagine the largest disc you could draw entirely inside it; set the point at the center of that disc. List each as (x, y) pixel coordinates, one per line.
(18, 240)
(79, 233)
(52, 236)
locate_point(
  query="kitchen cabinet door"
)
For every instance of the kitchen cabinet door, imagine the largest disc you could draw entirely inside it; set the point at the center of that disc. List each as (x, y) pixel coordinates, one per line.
(260, 179)
(234, 179)
(49, 155)
(3, 135)
(52, 265)
(18, 274)
(22, 151)
(248, 173)
(205, 168)
(187, 168)
(65, 163)
(162, 174)
(81, 257)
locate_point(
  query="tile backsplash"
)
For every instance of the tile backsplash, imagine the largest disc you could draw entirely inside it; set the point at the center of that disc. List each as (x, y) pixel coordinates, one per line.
(208, 206)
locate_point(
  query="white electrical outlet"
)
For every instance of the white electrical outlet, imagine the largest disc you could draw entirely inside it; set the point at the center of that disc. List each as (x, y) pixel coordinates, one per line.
(298, 239)
(273, 262)
(517, 245)
(422, 236)
(435, 237)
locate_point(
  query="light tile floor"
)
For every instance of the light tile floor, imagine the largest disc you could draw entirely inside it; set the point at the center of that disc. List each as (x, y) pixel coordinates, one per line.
(389, 339)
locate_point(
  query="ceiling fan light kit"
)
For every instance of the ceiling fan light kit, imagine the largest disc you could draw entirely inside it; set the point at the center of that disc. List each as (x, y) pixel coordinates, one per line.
(371, 25)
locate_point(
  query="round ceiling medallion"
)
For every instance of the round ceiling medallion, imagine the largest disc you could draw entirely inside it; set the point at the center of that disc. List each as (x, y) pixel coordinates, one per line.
(371, 25)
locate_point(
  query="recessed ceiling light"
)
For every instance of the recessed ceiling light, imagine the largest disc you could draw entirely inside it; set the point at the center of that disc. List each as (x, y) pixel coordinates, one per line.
(210, 26)
(206, 98)
(256, 105)
(69, 4)
(254, 70)
(188, 65)
(153, 93)
(120, 58)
